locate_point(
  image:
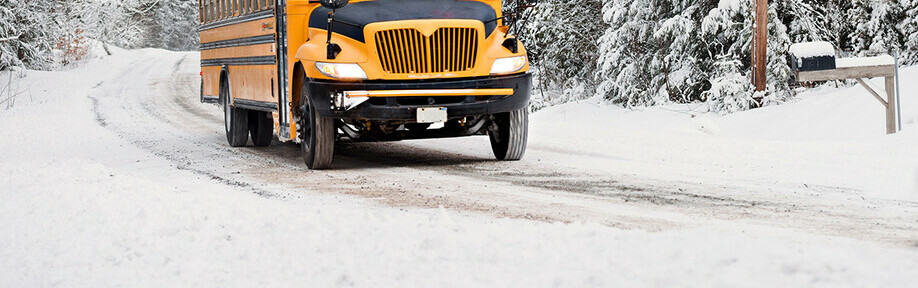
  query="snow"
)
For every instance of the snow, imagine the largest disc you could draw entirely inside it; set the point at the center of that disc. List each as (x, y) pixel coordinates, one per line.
(865, 61)
(85, 207)
(830, 136)
(812, 49)
(729, 5)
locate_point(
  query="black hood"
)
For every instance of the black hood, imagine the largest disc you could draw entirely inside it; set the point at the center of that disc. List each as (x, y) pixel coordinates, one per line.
(363, 13)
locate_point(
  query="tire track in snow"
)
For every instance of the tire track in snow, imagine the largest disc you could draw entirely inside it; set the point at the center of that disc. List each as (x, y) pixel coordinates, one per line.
(148, 108)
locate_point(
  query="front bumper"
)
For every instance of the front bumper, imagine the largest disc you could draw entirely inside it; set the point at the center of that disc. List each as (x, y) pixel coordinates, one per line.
(404, 108)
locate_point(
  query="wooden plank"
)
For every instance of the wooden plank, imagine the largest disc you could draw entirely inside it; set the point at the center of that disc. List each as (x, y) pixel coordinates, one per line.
(873, 92)
(891, 106)
(847, 73)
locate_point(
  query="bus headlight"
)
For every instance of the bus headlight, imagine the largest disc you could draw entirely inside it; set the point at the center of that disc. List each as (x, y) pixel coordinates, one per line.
(341, 70)
(508, 65)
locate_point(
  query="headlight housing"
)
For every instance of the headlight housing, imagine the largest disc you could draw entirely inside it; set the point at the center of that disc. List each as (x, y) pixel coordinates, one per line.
(508, 65)
(341, 70)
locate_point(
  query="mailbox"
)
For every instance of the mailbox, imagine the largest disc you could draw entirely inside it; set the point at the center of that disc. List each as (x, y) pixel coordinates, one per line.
(812, 56)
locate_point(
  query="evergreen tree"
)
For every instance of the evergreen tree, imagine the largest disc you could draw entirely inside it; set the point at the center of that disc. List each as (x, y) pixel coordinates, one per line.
(561, 37)
(626, 52)
(805, 19)
(837, 22)
(728, 31)
(909, 28)
(172, 25)
(876, 26)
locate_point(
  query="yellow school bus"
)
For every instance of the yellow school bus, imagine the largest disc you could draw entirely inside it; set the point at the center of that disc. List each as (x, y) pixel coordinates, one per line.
(317, 72)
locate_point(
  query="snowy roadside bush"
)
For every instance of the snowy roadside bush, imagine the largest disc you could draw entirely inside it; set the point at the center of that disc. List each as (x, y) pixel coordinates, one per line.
(731, 91)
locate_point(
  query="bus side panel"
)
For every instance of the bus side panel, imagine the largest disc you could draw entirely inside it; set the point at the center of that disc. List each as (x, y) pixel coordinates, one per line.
(248, 55)
(253, 82)
(241, 30)
(211, 78)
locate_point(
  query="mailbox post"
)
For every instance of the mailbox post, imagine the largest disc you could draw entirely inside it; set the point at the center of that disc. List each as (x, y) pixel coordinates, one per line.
(815, 61)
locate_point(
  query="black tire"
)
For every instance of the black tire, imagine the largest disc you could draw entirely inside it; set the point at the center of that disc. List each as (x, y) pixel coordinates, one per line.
(261, 127)
(236, 120)
(509, 134)
(318, 135)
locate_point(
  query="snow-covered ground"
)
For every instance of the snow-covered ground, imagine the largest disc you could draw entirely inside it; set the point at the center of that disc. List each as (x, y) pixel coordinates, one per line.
(827, 136)
(86, 202)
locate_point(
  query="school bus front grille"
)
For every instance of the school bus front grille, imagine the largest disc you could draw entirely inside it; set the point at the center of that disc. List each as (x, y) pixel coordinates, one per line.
(407, 51)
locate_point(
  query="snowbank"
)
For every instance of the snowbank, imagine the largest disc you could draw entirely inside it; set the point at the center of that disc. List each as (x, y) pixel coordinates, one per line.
(865, 61)
(827, 136)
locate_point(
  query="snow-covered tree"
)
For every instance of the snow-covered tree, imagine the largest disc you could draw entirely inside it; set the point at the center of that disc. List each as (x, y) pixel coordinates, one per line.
(626, 52)
(837, 23)
(806, 19)
(648, 54)
(42, 34)
(118, 22)
(561, 37)
(909, 26)
(172, 24)
(680, 51)
(29, 32)
(727, 30)
(875, 26)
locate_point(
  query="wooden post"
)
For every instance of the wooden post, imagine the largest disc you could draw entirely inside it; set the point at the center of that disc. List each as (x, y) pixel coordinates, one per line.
(891, 105)
(761, 40)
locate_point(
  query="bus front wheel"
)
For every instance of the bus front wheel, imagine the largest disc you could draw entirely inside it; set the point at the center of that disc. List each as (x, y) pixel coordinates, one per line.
(509, 132)
(318, 135)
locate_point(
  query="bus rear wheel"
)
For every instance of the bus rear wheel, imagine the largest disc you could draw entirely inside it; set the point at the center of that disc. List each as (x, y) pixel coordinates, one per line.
(318, 136)
(236, 119)
(261, 126)
(509, 132)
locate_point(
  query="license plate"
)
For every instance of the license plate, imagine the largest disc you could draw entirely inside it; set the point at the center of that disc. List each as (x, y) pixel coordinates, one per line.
(432, 115)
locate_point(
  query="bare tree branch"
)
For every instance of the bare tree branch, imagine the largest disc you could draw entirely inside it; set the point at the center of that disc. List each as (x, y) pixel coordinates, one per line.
(10, 38)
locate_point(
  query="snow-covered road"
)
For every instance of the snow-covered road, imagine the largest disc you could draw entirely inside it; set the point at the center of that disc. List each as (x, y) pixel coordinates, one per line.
(114, 174)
